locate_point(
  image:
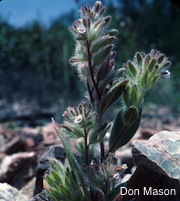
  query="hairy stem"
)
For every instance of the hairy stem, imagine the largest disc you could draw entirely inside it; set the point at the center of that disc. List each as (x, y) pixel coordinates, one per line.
(91, 69)
(106, 187)
(86, 147)
(102, 150)
(89, 91)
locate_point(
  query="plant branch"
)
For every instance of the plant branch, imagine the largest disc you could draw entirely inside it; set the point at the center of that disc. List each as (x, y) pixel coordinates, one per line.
(118, 138)
(86, 146)
(91, 70)
(102, 150)
(89, 90)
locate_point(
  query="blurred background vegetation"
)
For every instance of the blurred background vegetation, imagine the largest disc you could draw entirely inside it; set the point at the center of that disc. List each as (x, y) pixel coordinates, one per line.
(34, 58)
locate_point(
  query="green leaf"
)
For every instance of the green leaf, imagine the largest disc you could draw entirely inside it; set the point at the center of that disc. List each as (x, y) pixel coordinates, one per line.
(126, 97)
(49, 180)
(101, 42)
(96, 181)
(81, 149)
(100, 56)
(153, 80)
(73, 129)
(72, 160)
(151, 75)
(96, 32)
(51, 195)
(67, 180)
(113, 32)
(115, 191)
(84, 187)
(131, 115)
(102, 72)
(144, 78)
(56, 193)
(65, 192)
(118, 125)
(98, 135)
(134, 94)
(56, 176)
(81, 53)
(112, 95)
(107, 80)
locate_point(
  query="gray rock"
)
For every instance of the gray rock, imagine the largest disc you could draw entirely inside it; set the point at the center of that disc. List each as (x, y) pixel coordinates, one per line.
(161, 152)
(9, 193)
(44, 164)
(14, 164)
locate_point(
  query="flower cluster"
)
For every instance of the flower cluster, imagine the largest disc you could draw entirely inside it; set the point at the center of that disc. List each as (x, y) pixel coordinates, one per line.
(105, 175)
(61, 183)
(94, 57)
(81, 121)
(142, 73)
(78, 118)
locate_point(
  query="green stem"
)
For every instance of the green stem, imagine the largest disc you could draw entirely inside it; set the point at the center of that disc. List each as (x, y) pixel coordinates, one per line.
(118, 138)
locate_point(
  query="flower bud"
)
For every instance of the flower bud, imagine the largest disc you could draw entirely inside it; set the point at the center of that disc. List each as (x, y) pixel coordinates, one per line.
(113, 32)
(152, 64)
(107, 19)
(101, 11)
(138, 58)
(132, 68)
(161, 57)
(101, 42)
(147, 60)
(97, 6)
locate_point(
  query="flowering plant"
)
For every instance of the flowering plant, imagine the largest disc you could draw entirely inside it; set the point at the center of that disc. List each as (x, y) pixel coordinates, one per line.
(91, 174)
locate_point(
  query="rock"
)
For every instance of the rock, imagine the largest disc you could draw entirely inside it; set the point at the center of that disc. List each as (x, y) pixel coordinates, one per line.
(146, 178)
(33, 133)
(15, 167)
(9, 193)
(40, 197)
(50, 137)
(146, 133)
(161, 152)
(28, 189)
(44, 164)
(15, 145)
(2, 143)
(158, 169)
